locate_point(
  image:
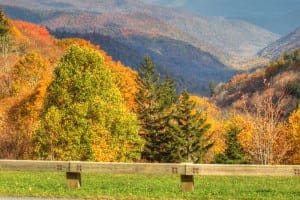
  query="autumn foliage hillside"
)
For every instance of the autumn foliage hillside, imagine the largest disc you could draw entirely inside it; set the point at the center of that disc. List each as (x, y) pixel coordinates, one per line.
(29, 56)
(279, 79)
(265, 107)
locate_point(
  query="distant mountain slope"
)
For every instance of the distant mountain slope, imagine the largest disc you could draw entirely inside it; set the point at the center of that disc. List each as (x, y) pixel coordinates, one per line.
(284, 44)
(194, 71)
(170, 37)
(236, 40)
(280, 79)
(285, 13)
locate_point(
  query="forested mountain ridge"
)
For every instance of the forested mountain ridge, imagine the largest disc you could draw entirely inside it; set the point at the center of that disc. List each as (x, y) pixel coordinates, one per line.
(218, 42)
(285, 44)
(280, 79)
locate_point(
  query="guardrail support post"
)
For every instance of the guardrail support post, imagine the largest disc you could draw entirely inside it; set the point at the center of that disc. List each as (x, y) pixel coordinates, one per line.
(187, 183)
(73, 180)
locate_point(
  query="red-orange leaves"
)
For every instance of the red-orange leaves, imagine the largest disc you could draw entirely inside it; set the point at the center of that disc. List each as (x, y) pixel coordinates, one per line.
(34, 32)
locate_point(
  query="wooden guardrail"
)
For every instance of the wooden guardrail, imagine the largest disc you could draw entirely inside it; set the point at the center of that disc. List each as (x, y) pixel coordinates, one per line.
(187, 171)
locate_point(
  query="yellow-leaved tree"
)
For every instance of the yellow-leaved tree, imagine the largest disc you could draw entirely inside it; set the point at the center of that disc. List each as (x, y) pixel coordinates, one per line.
(85, 117)
(294, 129)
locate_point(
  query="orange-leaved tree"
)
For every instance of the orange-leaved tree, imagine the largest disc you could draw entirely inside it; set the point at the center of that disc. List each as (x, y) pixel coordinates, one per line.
(23, 118)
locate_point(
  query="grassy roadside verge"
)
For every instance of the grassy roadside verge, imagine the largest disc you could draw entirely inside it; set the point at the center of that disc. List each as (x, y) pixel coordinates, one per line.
(99, 186)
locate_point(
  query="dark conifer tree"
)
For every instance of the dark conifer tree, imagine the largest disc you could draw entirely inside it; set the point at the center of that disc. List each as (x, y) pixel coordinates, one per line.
(234, 153)
(189, 142)
(155, 100)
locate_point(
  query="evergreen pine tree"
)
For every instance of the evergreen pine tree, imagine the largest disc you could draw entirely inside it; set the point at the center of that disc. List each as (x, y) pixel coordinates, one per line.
(154, 100)
(167, 92)
(189, 143)
(234, 153)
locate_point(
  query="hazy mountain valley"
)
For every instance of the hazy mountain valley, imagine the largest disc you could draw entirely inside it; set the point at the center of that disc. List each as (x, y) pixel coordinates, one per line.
(282, 45)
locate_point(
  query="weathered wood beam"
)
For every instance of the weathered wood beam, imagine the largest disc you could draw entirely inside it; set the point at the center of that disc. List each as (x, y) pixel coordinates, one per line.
(33, 165)
(242, 170)
(73, 180)
(151, 168)
(128, 168)
(187, 183)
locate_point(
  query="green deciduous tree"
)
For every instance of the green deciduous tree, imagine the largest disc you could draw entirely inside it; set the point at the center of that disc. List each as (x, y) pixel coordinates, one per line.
(188, 141)
(84, 115)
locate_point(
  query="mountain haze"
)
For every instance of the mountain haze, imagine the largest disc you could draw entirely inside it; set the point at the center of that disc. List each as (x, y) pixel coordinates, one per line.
(286, 13)
(284, 44)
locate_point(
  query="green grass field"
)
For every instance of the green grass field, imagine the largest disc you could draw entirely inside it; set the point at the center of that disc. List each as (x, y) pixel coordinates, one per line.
(99, 186)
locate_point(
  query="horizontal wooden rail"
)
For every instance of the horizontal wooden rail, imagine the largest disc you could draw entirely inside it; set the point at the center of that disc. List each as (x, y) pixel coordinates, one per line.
(33, 165)
(242, 170)
(129, 168)
(151, 168)
(187, 171)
